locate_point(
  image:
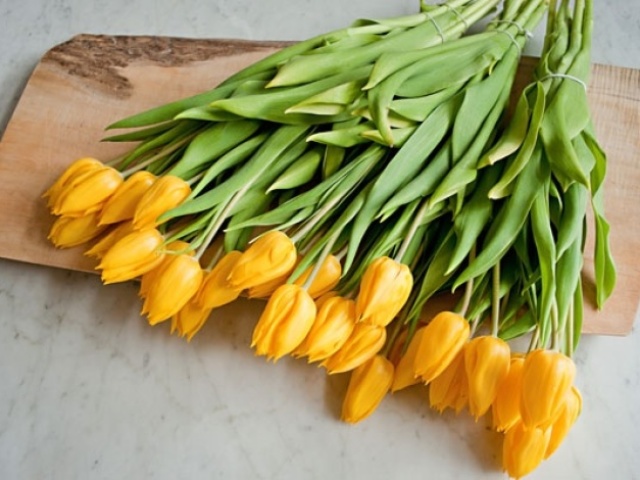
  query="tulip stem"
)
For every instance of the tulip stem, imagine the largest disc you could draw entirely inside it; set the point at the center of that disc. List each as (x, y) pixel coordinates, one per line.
(218, 219)
(318, 265)
(162, 153)
(534, 339)
(495, 300)
(412, 231)
(570, 332)
(555, 339)
(319, 215)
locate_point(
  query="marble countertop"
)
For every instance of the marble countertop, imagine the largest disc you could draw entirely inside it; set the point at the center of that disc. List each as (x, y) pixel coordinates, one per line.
(89, 391)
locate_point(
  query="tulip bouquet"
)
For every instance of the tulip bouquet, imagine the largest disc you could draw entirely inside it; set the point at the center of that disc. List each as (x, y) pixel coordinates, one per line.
(349, 198)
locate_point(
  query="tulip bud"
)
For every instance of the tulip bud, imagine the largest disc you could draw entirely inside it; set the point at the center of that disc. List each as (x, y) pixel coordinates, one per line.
(523, 449)
(122, 204)
(384, 289)
(364, 342)
(569, 413)
(73, 171)
(132, 256)
(189, 320)
(330, 330)
(404, 373)
(167, 192)
(67, 232)
(327, 277)
(506, 406)
(285, 322)
(486, 360)
(149, 278)
(266, 289)
(441, 341)
(88, 192)
(547, 376)
(450, 388)
(179, 280)
(368, 385)
(215, 290)
(323, 298)
(109, 239)
(270, 256)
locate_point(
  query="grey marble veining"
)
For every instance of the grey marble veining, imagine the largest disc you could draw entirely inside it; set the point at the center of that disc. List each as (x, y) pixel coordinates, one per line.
(89, 391)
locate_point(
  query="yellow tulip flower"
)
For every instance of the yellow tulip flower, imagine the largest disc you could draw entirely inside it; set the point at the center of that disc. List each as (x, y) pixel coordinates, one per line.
(334, 323)
(109, 239)
(364, 342)
(266, 289)
(443, 338)
(122, 204)
(506, 406)
(523, 449)
(131, 256)
(285, 322)
(73, 171)
(88, 192)
(547, 376)
(486, 361)
(569, 413)
(270, 256)
(167, 192)
(178, 282)
(189, 320)
(368, 385)
(384, 289)
(404, 375)
(149, 278)
(67, 232)
(450, 389)
(215, 291)
(326, 278)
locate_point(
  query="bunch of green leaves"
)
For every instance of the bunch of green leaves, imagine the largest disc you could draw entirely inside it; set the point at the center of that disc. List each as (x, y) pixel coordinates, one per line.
(546, 165)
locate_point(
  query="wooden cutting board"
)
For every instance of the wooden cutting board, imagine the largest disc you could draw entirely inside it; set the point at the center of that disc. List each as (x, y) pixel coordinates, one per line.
(83, 85)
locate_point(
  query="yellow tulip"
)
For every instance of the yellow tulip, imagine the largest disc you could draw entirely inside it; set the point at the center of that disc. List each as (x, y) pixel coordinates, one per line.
(547, 376)
(506, 406)
(215, 290)
(323, 298)
(486, 361)
(109, 239)
(364, 342)
(326, 278)
(266, 289)
(569, 413)
(122, 204)
(523, 449)
(441, 341)
(405, 373)
(166, 193)
(330, 330)
(88, 192)
(284, 323)
(72, 172)
(189, 320)
(368, 385)
(149, 278)
(270, 256)
(450, 388)
(384, 289)
(131, 256)
(67, 232)
(178, 282)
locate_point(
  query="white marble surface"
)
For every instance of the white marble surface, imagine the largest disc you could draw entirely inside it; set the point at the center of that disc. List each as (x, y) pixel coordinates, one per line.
(88, 391)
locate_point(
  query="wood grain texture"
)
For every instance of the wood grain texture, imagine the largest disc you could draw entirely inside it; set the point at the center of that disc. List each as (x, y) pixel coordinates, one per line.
(90, 81)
